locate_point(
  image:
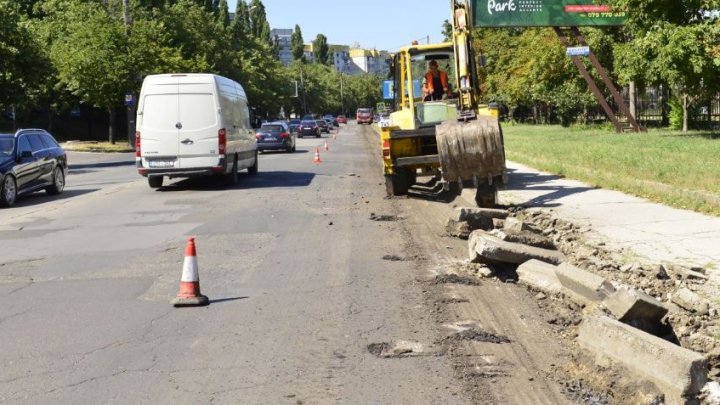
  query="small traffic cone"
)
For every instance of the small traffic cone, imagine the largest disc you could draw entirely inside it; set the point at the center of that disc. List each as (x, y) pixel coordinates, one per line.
(327, 148)
(317, 156)
(189, 295)
(334, 137)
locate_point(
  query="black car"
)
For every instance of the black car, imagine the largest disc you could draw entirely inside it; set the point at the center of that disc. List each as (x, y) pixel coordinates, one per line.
(309, 127)
(30, 160)
(324, 126)
(275, 136)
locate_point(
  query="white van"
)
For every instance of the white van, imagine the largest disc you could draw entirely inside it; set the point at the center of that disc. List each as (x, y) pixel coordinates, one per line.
(193, 125)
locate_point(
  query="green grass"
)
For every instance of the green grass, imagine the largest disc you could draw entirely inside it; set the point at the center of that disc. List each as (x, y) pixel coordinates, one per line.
(674, 168)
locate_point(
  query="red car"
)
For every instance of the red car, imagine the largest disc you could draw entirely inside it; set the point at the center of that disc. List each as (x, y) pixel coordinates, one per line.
(341, 119)
(364, 116)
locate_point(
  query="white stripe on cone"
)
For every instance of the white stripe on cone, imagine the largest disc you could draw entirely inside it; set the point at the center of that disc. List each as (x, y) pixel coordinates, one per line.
(190, 270)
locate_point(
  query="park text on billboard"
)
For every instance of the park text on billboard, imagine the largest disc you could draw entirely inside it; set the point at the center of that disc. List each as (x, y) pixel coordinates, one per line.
(545, 13)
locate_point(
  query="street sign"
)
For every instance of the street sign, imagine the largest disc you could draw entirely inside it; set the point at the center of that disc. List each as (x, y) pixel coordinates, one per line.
(577, 51)
(129, 100)
(545, 13)
(388, 89)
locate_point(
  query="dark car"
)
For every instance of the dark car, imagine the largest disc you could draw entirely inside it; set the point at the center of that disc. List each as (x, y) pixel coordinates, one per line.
(364, 116)
(294, 124)
(341, 119)
(275, 136)
(331, 120)
(30, 160)
(308, 127)
(324, 127)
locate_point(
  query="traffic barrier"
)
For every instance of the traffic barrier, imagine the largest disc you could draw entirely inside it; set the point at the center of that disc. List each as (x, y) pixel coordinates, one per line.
(189, 295)
(317, 156)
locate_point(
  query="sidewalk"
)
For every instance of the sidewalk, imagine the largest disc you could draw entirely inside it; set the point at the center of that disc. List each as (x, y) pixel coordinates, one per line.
(654, 232)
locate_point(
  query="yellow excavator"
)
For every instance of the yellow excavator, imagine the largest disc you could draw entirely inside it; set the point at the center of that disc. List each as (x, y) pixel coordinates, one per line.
(455, 141)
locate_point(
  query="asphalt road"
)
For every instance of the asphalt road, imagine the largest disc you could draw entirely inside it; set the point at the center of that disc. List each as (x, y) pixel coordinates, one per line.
(290, 260)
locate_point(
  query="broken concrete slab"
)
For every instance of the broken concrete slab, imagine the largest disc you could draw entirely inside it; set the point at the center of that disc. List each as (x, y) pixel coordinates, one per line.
(514, 225)
(485, 248)
(633, 305)
(524, 237)
(680, 373)
(582, 285)
(687, 299)
(540, 276)
(465, 220)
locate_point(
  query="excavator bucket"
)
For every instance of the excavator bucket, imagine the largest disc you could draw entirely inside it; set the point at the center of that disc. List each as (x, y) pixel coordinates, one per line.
(471, 150)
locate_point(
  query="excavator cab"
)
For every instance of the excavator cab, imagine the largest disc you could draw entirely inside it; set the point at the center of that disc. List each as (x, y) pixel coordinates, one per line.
(456, 141)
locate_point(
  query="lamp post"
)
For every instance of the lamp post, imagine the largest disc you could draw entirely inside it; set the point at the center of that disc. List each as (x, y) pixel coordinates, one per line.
(302, 84)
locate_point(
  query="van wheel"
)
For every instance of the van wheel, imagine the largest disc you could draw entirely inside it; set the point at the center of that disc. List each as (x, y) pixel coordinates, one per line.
(254, 168)
(8, 192)
(231, 178)
(155, 181)
(58, 184)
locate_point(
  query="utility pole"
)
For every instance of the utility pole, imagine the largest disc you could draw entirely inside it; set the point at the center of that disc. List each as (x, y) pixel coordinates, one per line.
(302, 84)
(129, 97)
(342, 97)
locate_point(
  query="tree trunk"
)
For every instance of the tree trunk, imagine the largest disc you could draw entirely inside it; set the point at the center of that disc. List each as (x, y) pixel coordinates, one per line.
(632, 96)
(49, 118)
(111, 127)
(685, 112)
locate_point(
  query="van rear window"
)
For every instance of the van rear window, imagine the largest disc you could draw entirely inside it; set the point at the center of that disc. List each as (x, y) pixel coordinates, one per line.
(192, 111)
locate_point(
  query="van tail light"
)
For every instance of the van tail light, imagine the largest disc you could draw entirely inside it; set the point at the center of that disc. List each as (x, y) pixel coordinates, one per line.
(258, 136)
(386, 149)
(284, 135)
(137, 144)
(222, 141)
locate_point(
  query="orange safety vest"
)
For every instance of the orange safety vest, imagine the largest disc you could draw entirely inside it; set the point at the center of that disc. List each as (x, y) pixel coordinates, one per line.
(429, 81)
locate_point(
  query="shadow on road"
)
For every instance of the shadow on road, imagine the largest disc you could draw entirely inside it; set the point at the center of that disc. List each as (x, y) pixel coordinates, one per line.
(219, 300)
(41, 197)
(522, 181)
(279, 179)
(74, 168)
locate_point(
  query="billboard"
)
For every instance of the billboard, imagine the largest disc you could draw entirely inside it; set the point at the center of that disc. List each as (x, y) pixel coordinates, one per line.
(545, 13)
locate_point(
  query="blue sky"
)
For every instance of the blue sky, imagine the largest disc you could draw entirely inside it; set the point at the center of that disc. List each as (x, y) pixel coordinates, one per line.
(382, 24)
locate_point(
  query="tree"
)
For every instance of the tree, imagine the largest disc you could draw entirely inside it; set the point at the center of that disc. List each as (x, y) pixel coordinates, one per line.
(259, 26)
(22, 62)
(240, 25)
(673, 43)
(321, 52)
(223, 14)
(297, 44)
(90, 43)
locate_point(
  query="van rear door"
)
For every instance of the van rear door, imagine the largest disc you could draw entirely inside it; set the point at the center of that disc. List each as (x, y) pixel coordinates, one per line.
(180, 122)
(198, 118)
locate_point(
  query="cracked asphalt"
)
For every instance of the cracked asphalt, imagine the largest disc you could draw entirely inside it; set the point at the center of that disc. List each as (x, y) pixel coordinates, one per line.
(290, 260)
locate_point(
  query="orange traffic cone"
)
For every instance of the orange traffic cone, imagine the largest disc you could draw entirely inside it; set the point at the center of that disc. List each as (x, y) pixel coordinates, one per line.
(189, 294)
(317, 156)
(327, 148)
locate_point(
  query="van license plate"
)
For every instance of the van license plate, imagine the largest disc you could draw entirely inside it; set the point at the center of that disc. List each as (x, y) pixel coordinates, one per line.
(161, 163)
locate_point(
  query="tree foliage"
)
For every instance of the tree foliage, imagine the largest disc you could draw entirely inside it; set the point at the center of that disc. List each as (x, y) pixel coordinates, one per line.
(321, 51)
(297, 44)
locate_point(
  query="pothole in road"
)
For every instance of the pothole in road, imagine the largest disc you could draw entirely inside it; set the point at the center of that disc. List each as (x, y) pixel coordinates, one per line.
(477, 335)
(393, 258)
(454, 279)
(400, 348)
(381, 217)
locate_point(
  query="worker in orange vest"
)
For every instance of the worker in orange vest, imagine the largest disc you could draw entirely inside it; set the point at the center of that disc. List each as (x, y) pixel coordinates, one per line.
(436, 82)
